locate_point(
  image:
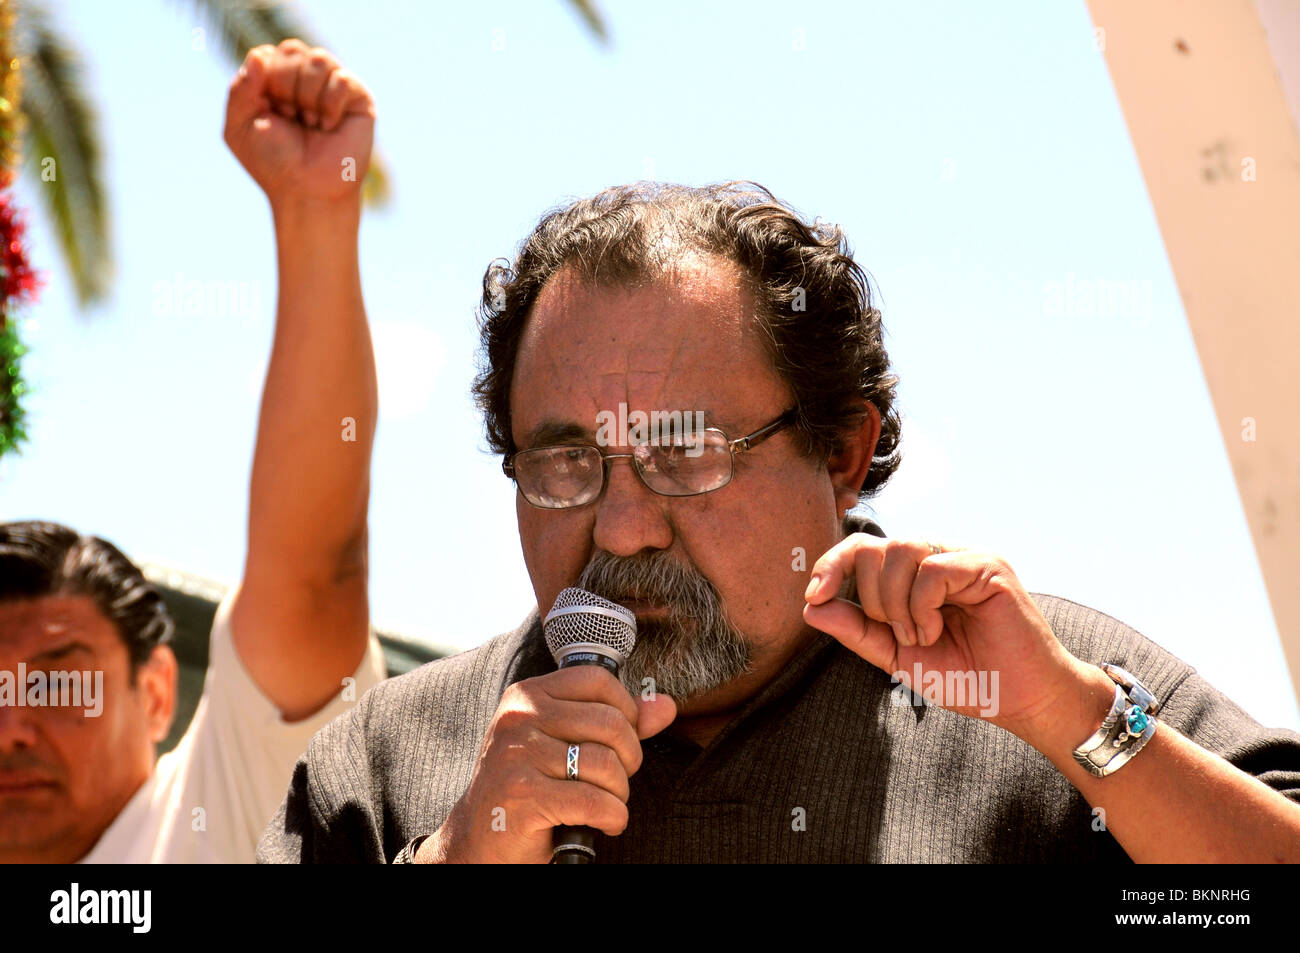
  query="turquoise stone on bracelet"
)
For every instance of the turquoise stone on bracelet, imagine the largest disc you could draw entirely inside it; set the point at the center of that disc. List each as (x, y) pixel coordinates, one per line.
(1137, 721)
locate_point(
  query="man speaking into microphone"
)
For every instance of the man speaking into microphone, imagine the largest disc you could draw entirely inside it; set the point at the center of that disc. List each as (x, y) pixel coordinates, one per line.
(801, 688)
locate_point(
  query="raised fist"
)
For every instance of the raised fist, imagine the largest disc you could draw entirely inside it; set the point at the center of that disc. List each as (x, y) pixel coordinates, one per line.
(300, 124)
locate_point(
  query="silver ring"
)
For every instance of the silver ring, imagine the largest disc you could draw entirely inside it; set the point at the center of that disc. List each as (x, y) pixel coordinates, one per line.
(571, 764)
(935, 550)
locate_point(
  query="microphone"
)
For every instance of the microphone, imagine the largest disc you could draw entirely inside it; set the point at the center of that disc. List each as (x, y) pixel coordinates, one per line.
(585, 629)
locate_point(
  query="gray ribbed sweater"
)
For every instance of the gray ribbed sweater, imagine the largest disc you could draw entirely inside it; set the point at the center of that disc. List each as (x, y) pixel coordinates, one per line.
(875, 781)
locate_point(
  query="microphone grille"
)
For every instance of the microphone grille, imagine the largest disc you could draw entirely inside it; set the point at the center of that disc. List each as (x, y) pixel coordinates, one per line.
(581, 616)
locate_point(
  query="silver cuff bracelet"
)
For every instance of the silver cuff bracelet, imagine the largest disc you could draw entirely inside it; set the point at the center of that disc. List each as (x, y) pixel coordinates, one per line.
(1128, 726)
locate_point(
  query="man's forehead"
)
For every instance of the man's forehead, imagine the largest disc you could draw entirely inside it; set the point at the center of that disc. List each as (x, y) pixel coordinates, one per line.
(683, 342)
(553, 430)
(29, 626)
(695, 288)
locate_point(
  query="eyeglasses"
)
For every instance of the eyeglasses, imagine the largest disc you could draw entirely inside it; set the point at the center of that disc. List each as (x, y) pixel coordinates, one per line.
(684, 464)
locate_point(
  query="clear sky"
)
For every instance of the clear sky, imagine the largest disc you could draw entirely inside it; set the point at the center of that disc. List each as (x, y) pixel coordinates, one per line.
(975, 153)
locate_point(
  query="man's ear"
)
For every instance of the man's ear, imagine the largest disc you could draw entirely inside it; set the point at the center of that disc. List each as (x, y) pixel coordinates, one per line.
(848, 468)
(156, 680)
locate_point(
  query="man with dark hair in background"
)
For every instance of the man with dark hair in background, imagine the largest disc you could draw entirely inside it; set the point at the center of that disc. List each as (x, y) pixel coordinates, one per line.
(290, 647)
(769, 716)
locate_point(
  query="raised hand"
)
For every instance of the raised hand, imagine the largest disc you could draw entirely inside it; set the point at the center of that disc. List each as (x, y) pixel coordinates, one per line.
(301, 125)
(950, 612)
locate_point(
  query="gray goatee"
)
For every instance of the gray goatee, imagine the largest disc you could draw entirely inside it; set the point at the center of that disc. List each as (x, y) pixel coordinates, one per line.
(694, 648)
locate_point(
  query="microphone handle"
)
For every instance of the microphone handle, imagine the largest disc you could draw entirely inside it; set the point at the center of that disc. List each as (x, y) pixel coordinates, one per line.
(577, 845)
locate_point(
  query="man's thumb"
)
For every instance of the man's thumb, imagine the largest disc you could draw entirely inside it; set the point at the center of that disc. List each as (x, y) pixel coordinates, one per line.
(654, 714)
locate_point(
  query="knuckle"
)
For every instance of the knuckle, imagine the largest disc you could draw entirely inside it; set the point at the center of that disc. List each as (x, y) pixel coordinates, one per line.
(591, 679)
(1000, 573)
(855, 544)
(625, 702)
(522, 695)
(610, 722)
(611, 765)
(621, 788)
(527, 746)
(589, 674)
(618, 818)
(518, 786)
(512, 721)
(593, 801)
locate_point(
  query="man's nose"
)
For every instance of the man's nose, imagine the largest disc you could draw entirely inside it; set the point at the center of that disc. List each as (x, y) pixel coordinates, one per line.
(629, 517)
(17, 728)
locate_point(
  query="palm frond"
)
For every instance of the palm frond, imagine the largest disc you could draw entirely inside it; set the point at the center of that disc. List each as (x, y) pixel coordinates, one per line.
(241, 25)
(591, 16)
(62, 125)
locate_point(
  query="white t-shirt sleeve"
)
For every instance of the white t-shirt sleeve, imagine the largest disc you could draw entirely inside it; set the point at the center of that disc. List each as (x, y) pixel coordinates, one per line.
(211, 798)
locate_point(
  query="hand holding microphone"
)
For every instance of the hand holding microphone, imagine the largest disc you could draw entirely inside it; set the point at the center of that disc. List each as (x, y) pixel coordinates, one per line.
(584, 629)
(521, 790)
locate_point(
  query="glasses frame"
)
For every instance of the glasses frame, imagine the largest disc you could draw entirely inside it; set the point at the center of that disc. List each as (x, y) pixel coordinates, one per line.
(739, 445)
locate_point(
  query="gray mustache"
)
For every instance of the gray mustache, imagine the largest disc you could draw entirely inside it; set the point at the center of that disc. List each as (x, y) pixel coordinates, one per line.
(657, 577)
(695, 648)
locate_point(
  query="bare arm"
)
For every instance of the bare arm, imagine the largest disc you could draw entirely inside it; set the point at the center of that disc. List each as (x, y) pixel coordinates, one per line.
(301, 618)
(927, 609)
(1174, 802)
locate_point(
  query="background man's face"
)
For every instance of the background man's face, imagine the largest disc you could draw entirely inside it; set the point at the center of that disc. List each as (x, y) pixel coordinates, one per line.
(684, 343)
(64, 776)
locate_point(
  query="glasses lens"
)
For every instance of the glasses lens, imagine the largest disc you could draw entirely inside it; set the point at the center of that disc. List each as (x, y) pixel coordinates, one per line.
(559, 477)
(685, 465)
